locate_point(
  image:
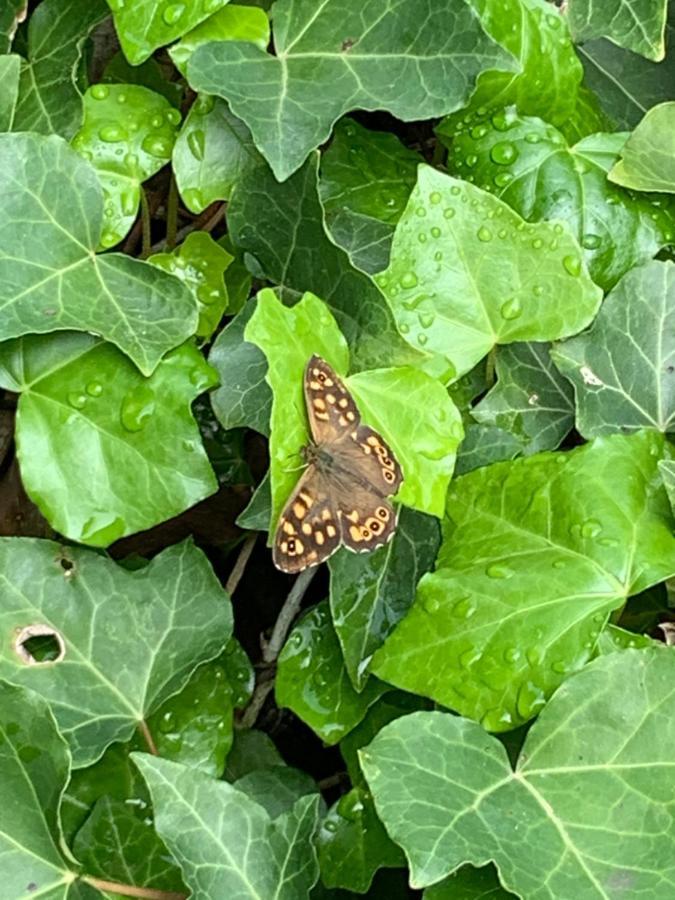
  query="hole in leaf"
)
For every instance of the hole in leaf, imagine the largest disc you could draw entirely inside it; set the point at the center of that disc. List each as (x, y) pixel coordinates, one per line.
(36, 644)
(67, 565)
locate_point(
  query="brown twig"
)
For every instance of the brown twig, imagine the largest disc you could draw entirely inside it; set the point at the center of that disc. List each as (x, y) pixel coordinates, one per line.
(149, 740)
(130, 890)
(240, 563)
(145, 222)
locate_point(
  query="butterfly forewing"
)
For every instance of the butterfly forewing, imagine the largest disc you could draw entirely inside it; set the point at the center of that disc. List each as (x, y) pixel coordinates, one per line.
(309, 526)
(331, 410)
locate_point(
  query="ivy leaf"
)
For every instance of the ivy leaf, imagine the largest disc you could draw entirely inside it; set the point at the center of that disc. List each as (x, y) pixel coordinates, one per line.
(366, 180)
(276, 788)
(232, 23)
(353, 844)
(528, 164)
(411, 410)
(144, 26)
(242, 852)
(469, 883)
(12, 14)
(370, 594)
(135, 641)
(127, 134)
(622, 367)
(638, 25)
(528, 572)
(244, 399)
(282, 227)
(447, 794)
(313, 682)
(613, 639)
(646, 162)
(52, 281)
(10, 69)
(334, 58)
(484, 445)
(49, 99)
(530, 400)
(200, 263)
(213, 152)
(84, 404)
(467, 273)
(667, 470)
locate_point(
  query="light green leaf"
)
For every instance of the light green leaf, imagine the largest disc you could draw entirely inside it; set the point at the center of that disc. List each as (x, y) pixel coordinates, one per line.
(467, 273)
(528, 164)
(530, 400)
(52, 281)
(200, 263)
(370, 594)
(144, 25)
(34, 768)
(84, 406)
(226, 844)
(613, 639)
(366, 180)
(484, 445)
(353, 844)
(667, 470)
(127, 134)
(313, 682)
(447, 794)
(281, 226)
(135, 641)
(622, 367)
(49, 99)
(244, 398)
(233, 23)
(213, 152)
(648, 157)
(638, 25)
(469, 883)
(119, 845)
(549, 73)
(10, 68)
(529, 570)
(336, 57)
(411, 410)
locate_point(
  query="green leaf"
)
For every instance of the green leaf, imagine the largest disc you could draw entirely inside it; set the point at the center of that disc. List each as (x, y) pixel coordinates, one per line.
(52, 281)
(529, 570)
(613, 639)
(469, 883)
(200, 263)
(83, 404)
(549, 73)
(213, 152)
(34, 767)
(336, 57)
(313, 682)
(49, 99)
(251, 750)
(370, 594)
(648, 157)
(256, 516)
(530, 400)
(10, 68)
(144, 26)
(667, 470)
(134, 642)
(276, 788)
(411, 410)
(148, 75)
(127, 134)
(233, 23)
(241, 852)
(11, 14)
(282, 227)
(622, 367)
(366, 180)
(528, 164)
(118, 845)
(484, 445)
(447, 794)
(467, 273)
(353, 844)
(638, 25)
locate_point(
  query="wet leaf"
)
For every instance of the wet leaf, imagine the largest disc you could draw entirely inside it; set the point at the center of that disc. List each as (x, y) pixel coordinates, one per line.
(646, 162)
(638, 25)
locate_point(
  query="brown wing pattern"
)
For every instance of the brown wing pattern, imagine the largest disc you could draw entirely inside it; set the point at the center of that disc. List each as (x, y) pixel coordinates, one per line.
(331, 410)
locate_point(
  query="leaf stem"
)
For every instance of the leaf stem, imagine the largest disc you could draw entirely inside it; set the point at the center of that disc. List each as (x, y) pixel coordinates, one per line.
(240, 563)
(145, 218)
(149, 740)
(288, 612)
(490, 367)
(130, 890)
(172, 214)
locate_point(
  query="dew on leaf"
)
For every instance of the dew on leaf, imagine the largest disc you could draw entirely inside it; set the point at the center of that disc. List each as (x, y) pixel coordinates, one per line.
(408, 280)
(448, 212)
(137, 408)
(469, 657)
(511, 655)
(157, 146)
(422, 339)
(157, 121)
(498, 570)
(511, 309)
(94, 388)
(100, 91)
(484, 234)
(350, 806)
(590, 241)
(503, 153)
(591, 528)
(426, 319)
(464, 608)
(530, 700)
(435, 197)
(77, 399)
(173, 13)
(112, 134)
(572, 265)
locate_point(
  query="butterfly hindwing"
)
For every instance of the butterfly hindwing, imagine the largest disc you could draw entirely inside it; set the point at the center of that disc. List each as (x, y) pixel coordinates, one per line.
(367, 523)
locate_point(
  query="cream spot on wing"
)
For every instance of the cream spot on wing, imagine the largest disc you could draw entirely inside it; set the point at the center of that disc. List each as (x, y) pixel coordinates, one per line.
(353, 516)
(297, 548)
(372, 440)
(299, 509)
(319, 538)
(284, 546)
(343, 403)
(306, 528)
(350, 415)
(288, 527)
(330, 531)
(315, 385)
(330, 398)
(319, 403)
(366, 449)
(355, 534)
(306, 498)
(322, 415)
(342, 421)
(325, 514)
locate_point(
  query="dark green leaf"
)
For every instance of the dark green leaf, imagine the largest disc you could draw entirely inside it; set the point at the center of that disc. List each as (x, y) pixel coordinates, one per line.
(276, 788)
(251, 750)
(484, 445)
(469, 883)
(11, 14)
(638, 25)
(667, 470)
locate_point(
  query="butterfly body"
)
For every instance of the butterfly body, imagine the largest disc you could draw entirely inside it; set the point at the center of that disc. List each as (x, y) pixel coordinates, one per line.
(341, 499)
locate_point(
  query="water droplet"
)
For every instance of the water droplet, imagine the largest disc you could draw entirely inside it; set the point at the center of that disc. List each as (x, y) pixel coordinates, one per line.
(197, 142)
(173, 13)
(420, 211)
(438, 255)
(112, 134)
(404, 328)
(157, 146)
(538, 290)
(421, 237)
(499, 122)
(591, 528)
(137, 408)
(167, 722)
(320, 680)
(484, 234)
(511, 309)
(408, 280)
(157, 121)
(455, 190)
(464, 608)
(502, 233)
(431, 604)
(590, 241)
(77, 399)
(512, 655)
(469, 657)
(207, 295)
(435, 231)
(173, 116)
(533, 137)
(204, 104)
(350, 806)
(471, 160)
(478, 132)
(435, 197)
(560, 666)
(503, 153)
(448, 212)
(530, 700)
(534, 656)
(608, 542)
(94, 388)
(558, 229)
(100, 91)
(581, 166)
(503, 178)
(572, 265)
(498, 570)
(330, 825)
(426, 319)
(537, 243)
(422, 339)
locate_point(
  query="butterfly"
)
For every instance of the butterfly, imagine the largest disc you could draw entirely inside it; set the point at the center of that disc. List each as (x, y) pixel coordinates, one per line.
(341, 498)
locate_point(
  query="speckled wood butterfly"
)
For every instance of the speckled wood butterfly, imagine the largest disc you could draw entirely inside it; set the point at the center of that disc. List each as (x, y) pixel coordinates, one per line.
(341, 497)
